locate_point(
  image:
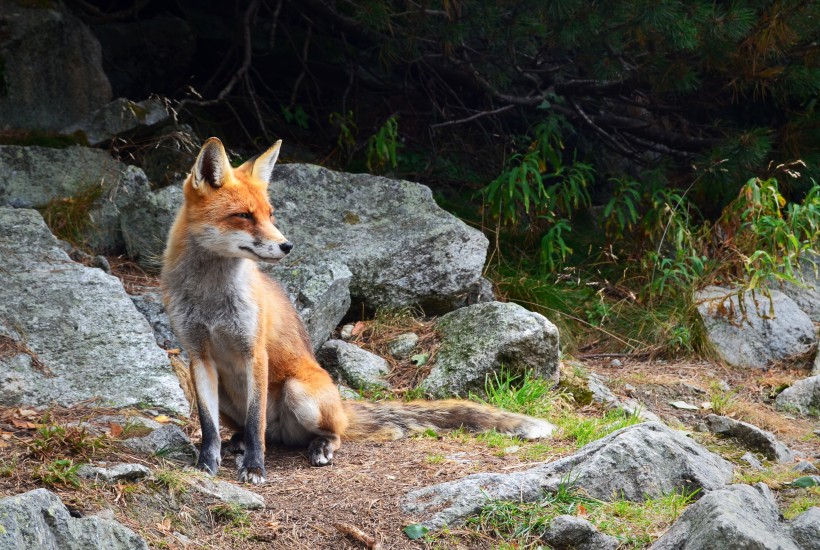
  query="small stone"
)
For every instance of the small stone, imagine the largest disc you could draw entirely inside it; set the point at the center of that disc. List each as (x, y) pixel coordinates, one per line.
(577, 533)
(352, 365)
(805, 467)
(169, 441)
(752, 461)
(118, 472)
(751, 436)
(346, 332)
(616, 363)
(402, 345)
(630, 389)
(225, 492)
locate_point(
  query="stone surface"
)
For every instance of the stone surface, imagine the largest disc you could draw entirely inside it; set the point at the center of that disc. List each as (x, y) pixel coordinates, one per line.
(801, 397)
(751, 436)
(78, 335)
(225, 492)
(320, 292)
(477, 340)
(52, 73)
(752, 461)
(402, 345)
(739, 516)
(350, 364)
(400, 247)
(634, 463)
(169, 441)
(806, 295)
(578, 534)
(113, 473)
(39, 520)
(805, 529)
(31, 177)
(151, 306)
(806, 467)
(603, 395)
(117, 117)
(769, 332)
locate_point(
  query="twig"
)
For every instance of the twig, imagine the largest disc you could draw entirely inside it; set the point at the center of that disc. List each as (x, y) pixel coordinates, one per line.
(357, 534)
(611, 355)
(473, 117)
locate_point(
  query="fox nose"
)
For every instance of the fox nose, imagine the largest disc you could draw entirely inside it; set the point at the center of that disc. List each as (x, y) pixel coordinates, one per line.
(286, 246)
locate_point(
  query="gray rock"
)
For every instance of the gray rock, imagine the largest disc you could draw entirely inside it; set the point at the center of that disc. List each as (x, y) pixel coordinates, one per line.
(751, 436)
(112, 474)
(477, 340)
(805, 529)
(634, 463)
(39, 520)
(402, 345)
(31, 177)
(169, 441)
(758, 338)
(117, 117)
(815, 369)
(151, 306)
(571, 532)
(352, 365)
(739, 516)
(752, 461)
(801, 397)
(52, 67)
(79, 335)
(225, 492)
(400, 247)
(481, 291)
(347, 332)
(603, 395)
(320, 292)
(805, 467)
(806, 295)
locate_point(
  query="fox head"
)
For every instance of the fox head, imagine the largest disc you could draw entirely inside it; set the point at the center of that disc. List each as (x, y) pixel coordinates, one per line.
(227, 209)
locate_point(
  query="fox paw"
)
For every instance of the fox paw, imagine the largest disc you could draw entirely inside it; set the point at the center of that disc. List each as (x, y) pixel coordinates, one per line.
(210, 467)
(320, 452)
(236, 445)
(254, 474)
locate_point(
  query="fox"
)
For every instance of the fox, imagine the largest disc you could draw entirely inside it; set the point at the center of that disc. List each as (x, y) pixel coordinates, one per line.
(251, 361)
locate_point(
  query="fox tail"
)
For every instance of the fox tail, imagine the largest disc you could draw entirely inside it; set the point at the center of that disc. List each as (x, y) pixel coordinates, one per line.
(387, 421)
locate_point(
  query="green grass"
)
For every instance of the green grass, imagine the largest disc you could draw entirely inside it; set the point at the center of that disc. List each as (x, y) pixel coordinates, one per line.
(59, 472)
(231, 513)
(171, 479)
(808, 498)
(520, 393)
(584, 430)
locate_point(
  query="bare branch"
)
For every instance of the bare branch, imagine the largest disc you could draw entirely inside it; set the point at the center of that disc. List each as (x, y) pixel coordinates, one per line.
(473, 117)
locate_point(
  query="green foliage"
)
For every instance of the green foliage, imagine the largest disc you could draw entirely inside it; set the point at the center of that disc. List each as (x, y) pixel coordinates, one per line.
(59, 472)
(382, 146)
(296, 115)
(346, 142)
(524, 394)
(231, 513)
(587, 430)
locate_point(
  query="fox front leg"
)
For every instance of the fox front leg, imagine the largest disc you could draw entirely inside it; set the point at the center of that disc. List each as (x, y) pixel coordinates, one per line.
(251, 464)
(205, 380)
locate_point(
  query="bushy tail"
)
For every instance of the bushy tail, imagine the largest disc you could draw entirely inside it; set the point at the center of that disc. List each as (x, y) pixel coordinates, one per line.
(394, 419)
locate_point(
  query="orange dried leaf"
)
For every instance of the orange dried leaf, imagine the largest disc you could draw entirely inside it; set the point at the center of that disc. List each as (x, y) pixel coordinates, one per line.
(115, 429)
(358, 328)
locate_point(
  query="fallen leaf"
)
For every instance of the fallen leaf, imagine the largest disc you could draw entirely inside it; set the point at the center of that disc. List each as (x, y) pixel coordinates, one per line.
(806, 482)
(115, 430)
(24, 424)
(706, 405)
(582, 511)
(4, 444)
(27, 413)
(683, 405)
(162, 419)
(415, 531)
(420, 359)
(358, 328)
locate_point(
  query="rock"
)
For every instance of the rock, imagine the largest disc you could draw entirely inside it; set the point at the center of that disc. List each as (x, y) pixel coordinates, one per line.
(402, 345)
(34, 177)
(400, 247)
(78, 335)
(481, 291)
(151, 306)
(112, 474)
(477, 340)
(750, 436)
(634, 463)
(615, 364)
(752, 461)
(52, 73)
(320, 292)
(739, 516)
(169, 441)
(802, 397)
(225, 492)
(805, 529)
(352, 365)
(118, 117)
(815, 369)
(806, 295)
(757, 339)
(805, 467)
(603, 395)
(576, 533)
(347, 332)
(38, 519)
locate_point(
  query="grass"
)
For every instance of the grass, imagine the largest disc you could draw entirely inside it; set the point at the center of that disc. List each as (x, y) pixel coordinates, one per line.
(171, 479)
(52, 439)
(231, 513)
(723, 402)
(59, 472)
(584, 430)
(69, 218)
(807, 498)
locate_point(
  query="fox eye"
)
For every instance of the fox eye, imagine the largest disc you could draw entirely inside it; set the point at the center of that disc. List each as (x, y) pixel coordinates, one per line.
(244, 215)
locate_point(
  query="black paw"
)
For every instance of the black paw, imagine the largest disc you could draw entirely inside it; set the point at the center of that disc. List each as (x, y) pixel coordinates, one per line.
(320, 452)
(235, 445)
(208, 464)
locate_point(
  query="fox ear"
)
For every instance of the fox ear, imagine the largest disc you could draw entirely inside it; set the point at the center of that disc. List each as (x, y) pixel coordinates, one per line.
(264, 163)
(211, 165)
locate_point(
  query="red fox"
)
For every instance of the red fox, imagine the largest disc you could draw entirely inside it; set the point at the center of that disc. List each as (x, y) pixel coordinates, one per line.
(252, 363)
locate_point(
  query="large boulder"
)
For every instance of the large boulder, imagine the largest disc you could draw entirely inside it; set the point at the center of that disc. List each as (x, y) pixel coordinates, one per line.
(119, 117)
(400, 247)
(807, 294)
(478, 340)
(805, 529)
(34, 177)
(758, 332)
(751, 437)
(738, 516)
(39, 519)
(635, 463)
(801, 397)
(51, 71)
(72, 330)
